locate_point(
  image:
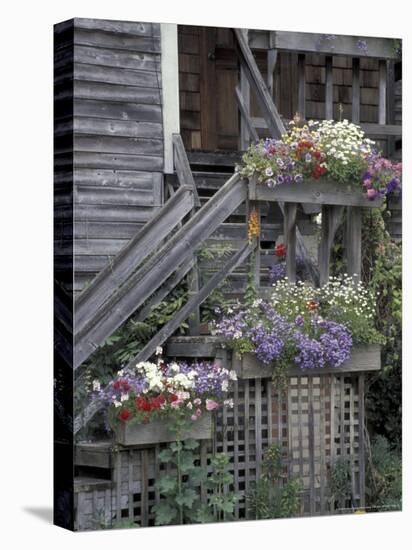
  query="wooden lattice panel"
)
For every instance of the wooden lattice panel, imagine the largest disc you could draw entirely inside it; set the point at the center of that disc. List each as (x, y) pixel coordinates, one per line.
(316, 420)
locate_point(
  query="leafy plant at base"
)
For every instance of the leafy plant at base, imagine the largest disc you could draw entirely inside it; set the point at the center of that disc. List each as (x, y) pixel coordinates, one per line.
(382, 270)
(273, 496)
(221, 502)
(384, 477)
(179, 489)
(340, 481)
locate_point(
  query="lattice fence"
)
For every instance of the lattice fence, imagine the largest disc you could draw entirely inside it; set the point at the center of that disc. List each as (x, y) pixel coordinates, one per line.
(316, 420)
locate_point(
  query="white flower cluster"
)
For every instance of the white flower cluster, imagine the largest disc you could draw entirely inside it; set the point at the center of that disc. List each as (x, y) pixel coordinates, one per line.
(342, 140)
(345, 292)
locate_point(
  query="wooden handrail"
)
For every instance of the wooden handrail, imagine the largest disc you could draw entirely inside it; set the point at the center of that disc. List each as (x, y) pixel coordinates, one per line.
(182, 166)
(144, 243)
(161, 336)
(146, 280)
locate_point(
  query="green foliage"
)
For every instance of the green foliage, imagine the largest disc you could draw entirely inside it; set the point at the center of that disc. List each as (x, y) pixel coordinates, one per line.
(382, 271)
(221, 501)
(340, 480)
(179, 489)
(384, 477)
(273, 496)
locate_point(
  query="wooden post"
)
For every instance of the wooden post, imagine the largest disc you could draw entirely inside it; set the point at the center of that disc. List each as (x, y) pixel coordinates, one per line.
(272, 58)
(353, 242)
(355, 90)
(290, 210)
(301, 86)
(331, 217)
(328, 88)
(245, 94)
(382, 90)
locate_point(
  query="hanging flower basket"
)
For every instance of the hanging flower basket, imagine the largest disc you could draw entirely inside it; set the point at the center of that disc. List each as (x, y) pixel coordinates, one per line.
(362, 359)
(158, 431)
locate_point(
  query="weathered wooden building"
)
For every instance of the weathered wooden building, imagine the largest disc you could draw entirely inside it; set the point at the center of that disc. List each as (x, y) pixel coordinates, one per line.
(150, 120)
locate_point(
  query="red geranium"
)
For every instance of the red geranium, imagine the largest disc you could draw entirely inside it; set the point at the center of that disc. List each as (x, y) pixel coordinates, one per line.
(125, 415)
(280, 250)
(142, 404)
(173, 397)
(318, 171)
(116, 384)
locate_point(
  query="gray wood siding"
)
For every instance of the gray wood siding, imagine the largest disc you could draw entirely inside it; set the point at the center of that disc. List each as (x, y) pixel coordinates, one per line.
(108, 138)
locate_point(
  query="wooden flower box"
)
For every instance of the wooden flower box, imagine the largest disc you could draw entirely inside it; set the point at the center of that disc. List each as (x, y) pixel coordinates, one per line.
(322, 191)
(158, 431)
(363, 358)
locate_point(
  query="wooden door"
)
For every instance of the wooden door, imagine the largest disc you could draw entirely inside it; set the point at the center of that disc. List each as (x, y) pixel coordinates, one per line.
(208, 75)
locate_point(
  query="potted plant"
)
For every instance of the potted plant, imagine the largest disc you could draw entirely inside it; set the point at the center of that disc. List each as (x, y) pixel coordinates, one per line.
(302, 330)
(158, 402)
(324, 163)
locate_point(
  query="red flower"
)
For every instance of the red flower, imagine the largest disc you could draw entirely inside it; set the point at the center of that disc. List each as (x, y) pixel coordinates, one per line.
(280, 250)
(116, 385)
(318, 171)
(173, 397)
(124, 415)
(142, 404)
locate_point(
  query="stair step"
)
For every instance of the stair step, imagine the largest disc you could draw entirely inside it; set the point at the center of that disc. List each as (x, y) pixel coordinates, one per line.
(90, 484)
(97, 454)
(214, 161)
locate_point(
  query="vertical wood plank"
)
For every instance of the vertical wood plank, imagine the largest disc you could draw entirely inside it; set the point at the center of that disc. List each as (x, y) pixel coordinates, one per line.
(269, 389)
(301, 86)
(236, 443)
(193, 290)
(245, 92)
(353, 241)
(290, 210)
(328, 88)
(130, 462)
(361, 389)
(118, 485)
(246, 436)
(333, 382)
(203, 464)
(355, 90)
(272, 57)
(312, 504)
(382, 90)
(331, 217)
(343, 454)
(144, 503)
(300, 422)
(208, 114)
(157, 471)
(258, 425)
(322, 398)
(352, 438)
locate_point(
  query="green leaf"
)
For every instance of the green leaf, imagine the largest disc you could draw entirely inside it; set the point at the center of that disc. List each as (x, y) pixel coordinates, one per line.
(187, 498)
(165, 513)
(166, 484)
(204, 515)
(191, 444)
(186, 462)
(166, 455)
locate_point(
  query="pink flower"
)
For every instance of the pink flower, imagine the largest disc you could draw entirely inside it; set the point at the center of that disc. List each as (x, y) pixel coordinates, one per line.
(367, 183)
(371, 193)
(211, 405)
(198, 412)
(176, 404)
(197, 401)
(193, 417)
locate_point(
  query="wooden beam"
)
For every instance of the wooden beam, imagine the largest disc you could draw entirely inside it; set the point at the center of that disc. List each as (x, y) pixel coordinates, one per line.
(182, 167)
(381, 48)
(328, 88)
(247, 126)
(253, 74)
(353, 242)
(195, 301)
(171, 326)
(382, 129)
(382, 90)
(290, 210)
(170, 90)
(331, 218)
(272, 57)
(301, 86)
(208, 106)
(159, 267)
(355, 90)
(130, 256)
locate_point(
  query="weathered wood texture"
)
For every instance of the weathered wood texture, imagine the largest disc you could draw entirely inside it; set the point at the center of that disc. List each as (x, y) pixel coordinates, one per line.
(113, 137)
(317, 421)
(363, 359)
(158, 432)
